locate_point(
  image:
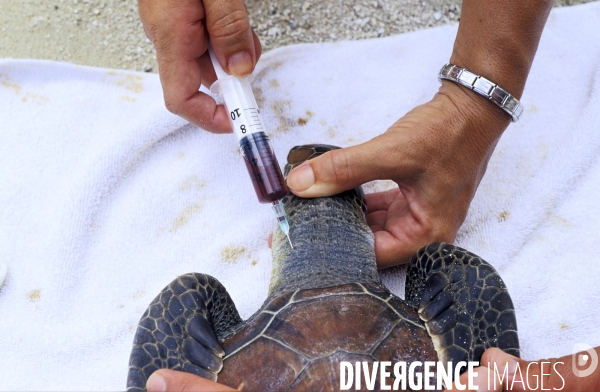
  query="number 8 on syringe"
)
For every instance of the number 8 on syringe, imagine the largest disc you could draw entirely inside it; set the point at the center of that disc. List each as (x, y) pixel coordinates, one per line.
(236, 114)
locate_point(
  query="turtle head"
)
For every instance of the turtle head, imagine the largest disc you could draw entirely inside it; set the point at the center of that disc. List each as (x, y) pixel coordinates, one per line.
(301, 154)
(352, 202)
(332, 241)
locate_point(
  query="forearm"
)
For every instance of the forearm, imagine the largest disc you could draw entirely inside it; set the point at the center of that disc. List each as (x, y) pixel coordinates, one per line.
(497, 39)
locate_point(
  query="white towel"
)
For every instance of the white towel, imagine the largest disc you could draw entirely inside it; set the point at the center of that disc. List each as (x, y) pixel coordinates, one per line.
(106, 197)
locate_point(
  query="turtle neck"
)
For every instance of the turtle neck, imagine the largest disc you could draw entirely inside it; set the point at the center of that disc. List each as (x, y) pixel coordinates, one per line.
(332, 245)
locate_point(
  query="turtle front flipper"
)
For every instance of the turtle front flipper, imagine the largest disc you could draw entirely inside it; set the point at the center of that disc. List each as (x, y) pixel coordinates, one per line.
(180, 330)
(463, 301)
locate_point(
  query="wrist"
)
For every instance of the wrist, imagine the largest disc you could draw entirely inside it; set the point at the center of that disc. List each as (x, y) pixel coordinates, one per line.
(477, 119)
(508, 72)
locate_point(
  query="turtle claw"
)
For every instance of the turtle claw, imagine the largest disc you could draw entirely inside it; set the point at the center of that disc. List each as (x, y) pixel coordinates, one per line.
(180, 330)
(199, 355)
(463, 301)
(442, 323)
(200, 329)
(436, 305)
(433, 286)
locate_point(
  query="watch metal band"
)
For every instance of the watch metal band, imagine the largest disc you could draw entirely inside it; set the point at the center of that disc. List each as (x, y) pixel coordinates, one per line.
(484, 87)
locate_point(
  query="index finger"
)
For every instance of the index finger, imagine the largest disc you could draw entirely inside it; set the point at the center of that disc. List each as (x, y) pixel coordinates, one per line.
(482, 379)
(181, 40)
(172, 380)
(381, 200)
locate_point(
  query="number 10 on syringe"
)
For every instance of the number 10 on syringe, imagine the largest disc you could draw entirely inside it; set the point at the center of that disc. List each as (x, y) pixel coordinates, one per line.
(255, 146)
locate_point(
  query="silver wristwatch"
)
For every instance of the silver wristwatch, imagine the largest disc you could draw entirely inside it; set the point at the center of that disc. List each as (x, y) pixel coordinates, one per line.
(484, 87)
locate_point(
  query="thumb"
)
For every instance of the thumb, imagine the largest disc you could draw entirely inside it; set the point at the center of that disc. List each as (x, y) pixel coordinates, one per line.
(170, 380)
(231, 36)
(339, 170)
(518, 375)
(547, 374)
(481, 379)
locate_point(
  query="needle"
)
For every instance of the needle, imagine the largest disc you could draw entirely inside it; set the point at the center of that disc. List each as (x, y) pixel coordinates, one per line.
(282, 219)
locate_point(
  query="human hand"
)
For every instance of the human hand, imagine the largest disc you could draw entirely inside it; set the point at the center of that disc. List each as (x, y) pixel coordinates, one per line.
(171, 380)
(503, 372)
(437, 154)
(181, 32)
(552, 374)
(483, 380)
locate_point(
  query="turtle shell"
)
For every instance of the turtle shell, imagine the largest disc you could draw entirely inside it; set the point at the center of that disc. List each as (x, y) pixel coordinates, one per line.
(301, 337)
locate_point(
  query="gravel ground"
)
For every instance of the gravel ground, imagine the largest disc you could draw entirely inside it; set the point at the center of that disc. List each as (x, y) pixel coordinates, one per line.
(108, 33)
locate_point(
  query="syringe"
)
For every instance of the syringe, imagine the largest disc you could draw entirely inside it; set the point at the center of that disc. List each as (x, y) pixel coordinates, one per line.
(255, 146)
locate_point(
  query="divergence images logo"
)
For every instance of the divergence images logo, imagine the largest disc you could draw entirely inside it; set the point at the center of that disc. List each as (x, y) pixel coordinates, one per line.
(585, 360)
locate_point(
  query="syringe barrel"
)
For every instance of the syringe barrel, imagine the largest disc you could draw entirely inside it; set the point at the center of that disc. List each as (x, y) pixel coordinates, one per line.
(263, 167)
(242, 109)
(255, 146)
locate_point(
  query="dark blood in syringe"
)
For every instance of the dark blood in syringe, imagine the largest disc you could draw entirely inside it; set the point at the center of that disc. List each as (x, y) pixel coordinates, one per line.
(263, 167)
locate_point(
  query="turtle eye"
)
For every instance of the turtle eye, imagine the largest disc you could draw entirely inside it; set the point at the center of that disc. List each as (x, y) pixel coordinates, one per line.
(299, 154)
(303, 153)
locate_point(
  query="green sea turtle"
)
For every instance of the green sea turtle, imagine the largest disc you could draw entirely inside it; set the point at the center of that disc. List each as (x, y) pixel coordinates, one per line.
(326, 304)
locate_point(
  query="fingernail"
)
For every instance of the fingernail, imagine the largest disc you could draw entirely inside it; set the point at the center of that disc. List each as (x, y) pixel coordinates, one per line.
(479, 377)
(301, 178)
(240, 64)
(502, 361)
(156, 383)
(512, 363)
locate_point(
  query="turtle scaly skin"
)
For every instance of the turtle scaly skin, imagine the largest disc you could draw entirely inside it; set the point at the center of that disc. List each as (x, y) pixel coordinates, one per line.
(326, 304)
